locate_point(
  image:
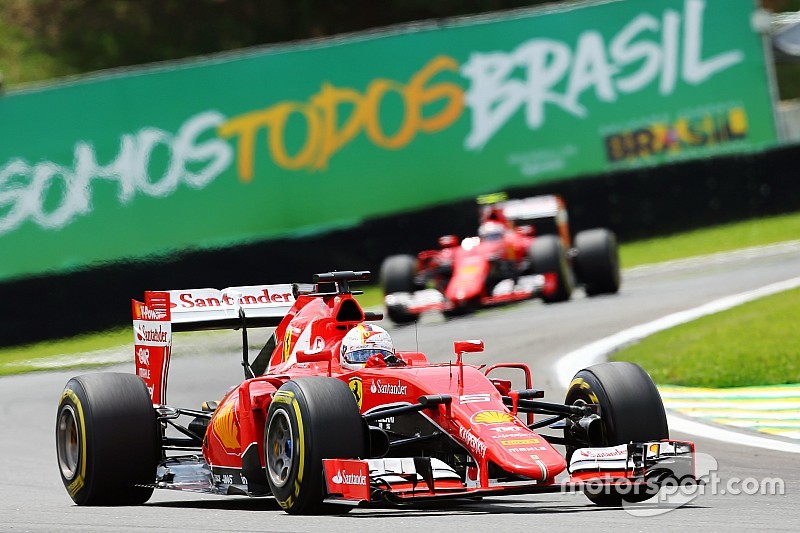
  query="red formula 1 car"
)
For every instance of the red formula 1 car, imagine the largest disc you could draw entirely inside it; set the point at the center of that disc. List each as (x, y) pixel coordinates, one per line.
(321, 438)
(523, 250)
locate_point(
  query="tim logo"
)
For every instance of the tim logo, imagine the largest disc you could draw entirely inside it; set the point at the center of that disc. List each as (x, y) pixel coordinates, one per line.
(144, 356)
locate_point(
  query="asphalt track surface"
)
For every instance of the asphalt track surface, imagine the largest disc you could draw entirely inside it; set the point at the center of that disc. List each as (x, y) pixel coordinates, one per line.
(32, 497)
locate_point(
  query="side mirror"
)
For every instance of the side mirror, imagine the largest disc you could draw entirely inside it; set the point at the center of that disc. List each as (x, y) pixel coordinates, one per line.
(526, 230)
(314, 357)
(321, 356)
(462, 347)
(471, 346)
(448, 241)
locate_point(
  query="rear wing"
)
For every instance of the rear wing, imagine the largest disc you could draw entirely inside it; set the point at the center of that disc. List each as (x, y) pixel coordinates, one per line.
(165, 312)
(206, 309)
(546, 213)
(534, 208)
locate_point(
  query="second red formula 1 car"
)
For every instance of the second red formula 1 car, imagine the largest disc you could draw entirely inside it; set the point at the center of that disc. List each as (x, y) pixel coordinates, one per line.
(320, 436)
(523, 249)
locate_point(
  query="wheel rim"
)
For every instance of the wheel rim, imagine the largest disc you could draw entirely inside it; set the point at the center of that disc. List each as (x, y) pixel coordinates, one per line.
(68, 448)
(280, 452)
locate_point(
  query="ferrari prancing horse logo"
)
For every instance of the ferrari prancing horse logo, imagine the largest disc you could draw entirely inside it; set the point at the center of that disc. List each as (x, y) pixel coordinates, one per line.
(357, 388)
(287, 344)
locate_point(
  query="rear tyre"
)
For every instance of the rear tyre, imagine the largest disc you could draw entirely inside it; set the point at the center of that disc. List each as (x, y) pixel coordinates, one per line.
(547, 255)
(309, 419)
(597, 262)
(630, 408)
(107, 440)
(397, 275)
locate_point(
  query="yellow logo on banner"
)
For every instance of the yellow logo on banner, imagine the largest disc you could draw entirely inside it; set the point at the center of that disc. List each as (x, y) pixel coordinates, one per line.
(327, 131)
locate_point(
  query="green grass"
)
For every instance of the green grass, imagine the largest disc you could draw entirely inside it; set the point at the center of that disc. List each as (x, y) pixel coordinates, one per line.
(372, 297)
(22, 359)
(712, 240)
(700, 242)
(749, 345)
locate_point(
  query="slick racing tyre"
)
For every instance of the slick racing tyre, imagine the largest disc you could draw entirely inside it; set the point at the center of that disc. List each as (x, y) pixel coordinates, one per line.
(547, 255)
(597, 261)
(309, 419)
(631, 410)
(107, 439)
(465, 308)
(397, 275)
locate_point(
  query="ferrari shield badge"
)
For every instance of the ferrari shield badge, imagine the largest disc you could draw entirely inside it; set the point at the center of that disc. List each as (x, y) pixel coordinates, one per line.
(357, 388)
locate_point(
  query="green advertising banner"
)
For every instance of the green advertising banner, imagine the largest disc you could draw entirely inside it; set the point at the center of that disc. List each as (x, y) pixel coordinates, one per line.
(304, 138)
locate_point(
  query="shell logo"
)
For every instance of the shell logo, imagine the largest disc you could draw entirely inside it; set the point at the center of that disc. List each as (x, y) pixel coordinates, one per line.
(225, 427)
(492, 417)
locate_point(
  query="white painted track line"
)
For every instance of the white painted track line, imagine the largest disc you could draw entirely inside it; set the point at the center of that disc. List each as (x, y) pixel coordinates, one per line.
(597, 351)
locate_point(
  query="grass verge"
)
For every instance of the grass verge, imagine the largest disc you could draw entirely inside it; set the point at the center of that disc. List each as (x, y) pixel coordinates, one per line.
(700, 242)
(30, 357)
(712, 240)
(750, 345)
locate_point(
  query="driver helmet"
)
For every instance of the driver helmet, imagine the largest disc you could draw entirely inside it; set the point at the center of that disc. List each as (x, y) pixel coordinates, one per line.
(491, 230)
(363, 342)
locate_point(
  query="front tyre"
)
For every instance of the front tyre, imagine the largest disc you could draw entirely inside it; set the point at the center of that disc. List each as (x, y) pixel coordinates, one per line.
(631, 410)
(547, 255)
(107, 439)
(398, 274)
(597, 261)
(309, 419)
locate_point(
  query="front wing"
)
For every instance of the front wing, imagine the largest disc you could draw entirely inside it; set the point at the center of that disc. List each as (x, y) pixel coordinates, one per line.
(398, 481)
(506, 291)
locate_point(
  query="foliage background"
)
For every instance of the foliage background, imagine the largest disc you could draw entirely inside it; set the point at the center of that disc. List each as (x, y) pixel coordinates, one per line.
(41, 39)
(45, 39)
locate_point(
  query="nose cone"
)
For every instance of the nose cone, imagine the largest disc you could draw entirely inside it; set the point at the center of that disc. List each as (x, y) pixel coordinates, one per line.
(530, 456)
(515, 448)
(468, 281)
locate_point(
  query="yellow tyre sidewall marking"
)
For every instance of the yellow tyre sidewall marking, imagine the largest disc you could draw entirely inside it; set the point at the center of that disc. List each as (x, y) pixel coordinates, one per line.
(79, 482)
(291, 500)
(585, 386)
(301, 447)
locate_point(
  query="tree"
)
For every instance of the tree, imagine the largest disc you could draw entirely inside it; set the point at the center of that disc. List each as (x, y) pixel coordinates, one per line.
(88, 35)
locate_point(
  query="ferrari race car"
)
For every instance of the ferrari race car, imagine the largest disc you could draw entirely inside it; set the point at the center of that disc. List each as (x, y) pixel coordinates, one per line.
(318, 438)
(523, 250)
